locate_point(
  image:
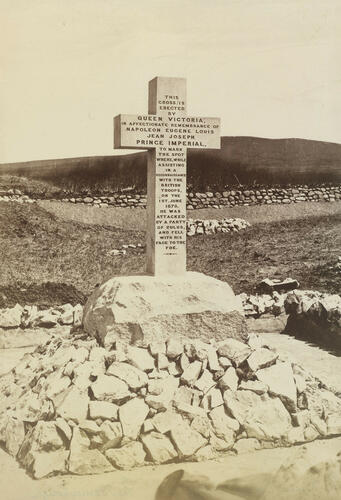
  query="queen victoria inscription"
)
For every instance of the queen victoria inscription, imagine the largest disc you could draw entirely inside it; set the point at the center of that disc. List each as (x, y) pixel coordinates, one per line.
(166, 132)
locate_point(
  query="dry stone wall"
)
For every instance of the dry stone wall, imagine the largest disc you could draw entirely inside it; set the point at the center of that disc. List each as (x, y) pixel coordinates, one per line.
(208, 199)
(73, 406)
(230, 198)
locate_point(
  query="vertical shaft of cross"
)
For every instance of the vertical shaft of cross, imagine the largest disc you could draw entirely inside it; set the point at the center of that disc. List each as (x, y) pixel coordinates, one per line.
(166, 187)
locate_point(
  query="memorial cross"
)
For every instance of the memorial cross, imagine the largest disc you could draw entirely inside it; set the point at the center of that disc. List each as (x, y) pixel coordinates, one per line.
(166, 132)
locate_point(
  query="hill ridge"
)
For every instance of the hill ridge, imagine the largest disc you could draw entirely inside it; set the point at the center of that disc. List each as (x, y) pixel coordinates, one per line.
(249, 159)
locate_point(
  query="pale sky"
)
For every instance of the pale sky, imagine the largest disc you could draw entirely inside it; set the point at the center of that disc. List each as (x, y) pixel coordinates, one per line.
(268, 68)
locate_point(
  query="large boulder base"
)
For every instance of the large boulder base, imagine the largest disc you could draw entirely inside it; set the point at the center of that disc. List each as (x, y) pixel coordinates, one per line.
(148, 308)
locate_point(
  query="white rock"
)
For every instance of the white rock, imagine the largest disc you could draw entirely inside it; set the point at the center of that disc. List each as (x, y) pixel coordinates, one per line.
(47, 463)
(77, 315)
(81, 355)
(98, 354)
(111, 434)
(205, 382)
(212, 399)
(174, 348)
(14, 435)
(11, 317)
(89, 426)
(110, 388)
(334, 424)
(205, 453)
(189, 411)
(67, 314)
(140, 358)
(47, 318)
(213, 361)
(83, 462)
(129, 456)
(132, 415)
(229, 380)
(163, 422)
(103, 409)
(159, 447)
(132, 376)
(62, 356)
(191, 374)
(162, 362)
(163, 391)
(224, 362)
(55, 384)
(261, 358)
(223, 425)
(28, 315)
(202, 425)
(268, 421)
(240, 403)
(72, 404)
(42, 437)
(280, 380)
(183, 395)
(173, 369)
(184, 362)
(83, 373)
(148, 308)
(300, 383)
(234, 350)
(64, 428)
(186, 440)
(246, 445)
(254, 386)
(157, 348)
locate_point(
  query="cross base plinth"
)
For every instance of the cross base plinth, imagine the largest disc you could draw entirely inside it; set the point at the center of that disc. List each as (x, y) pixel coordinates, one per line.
(143, 309)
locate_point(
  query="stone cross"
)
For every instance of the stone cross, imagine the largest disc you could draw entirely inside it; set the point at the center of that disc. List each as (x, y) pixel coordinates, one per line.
(166, 132)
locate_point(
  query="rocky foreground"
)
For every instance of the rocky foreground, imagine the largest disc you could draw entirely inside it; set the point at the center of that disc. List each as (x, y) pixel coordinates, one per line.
(73, 406)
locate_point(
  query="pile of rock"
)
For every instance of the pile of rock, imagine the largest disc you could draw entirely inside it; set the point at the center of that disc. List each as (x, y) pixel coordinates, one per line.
(32, 317)
(257, 305)
(15, 195)
(315, 315)
(73, 406)
(212, 226)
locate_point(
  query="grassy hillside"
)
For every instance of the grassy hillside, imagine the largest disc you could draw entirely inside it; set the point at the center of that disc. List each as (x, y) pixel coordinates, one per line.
(245, 160)
(53, 259)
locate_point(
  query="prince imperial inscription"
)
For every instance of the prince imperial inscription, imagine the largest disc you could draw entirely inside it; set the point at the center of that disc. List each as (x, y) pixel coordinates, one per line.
(166, 132)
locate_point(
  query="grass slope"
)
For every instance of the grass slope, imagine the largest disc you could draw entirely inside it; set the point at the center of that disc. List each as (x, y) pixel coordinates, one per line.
(46, 260)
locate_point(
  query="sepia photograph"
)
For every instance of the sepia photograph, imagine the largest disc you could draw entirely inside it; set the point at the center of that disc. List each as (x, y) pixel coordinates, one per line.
(170, 249)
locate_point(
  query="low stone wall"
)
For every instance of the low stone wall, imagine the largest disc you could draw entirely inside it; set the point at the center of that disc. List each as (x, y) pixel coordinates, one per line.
(242, 196)
(262, 196)
(73, 406)
(15, 195)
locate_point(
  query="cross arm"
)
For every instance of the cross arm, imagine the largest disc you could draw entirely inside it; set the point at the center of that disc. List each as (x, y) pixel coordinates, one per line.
(137, 131)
